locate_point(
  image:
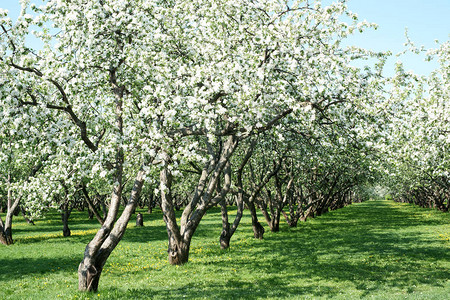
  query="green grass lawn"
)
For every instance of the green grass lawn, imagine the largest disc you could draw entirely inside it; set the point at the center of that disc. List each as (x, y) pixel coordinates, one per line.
(376, 249)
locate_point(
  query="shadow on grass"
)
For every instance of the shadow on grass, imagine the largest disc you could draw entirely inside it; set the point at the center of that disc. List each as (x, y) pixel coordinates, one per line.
(274, 288)
(11, 269)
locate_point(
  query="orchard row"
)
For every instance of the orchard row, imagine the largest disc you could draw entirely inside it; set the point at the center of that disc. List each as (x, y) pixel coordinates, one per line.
(194, 104)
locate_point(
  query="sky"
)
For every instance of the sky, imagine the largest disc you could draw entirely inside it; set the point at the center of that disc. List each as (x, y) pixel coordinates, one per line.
(426, 20)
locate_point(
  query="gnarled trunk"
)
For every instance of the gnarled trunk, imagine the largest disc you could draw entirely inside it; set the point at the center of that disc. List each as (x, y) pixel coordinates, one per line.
(66, 229)
(228, 229)
(208, 193)
(272, 218)
(224, 240)
(5, 234)
(258, 229)
(275, 224)
(179, 245)
(107, 238)
(6, 227)
(90, 268)
(178, 252)
(225, 236)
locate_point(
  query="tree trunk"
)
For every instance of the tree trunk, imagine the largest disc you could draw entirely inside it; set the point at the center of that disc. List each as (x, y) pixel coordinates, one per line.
(66, 230)
(207, 194)
(448, 202)
(104, 208)
(107, 238)
(270, 219)
(292, 220)
(225, 238)
(228, 229)
(225, 235)
(178, 252)
(139, 220)
(66, 210)
(178, 249)
(258, 229)
(65, 219)
(275, 224)
(6, 237)
(6, 227)
(5, 234)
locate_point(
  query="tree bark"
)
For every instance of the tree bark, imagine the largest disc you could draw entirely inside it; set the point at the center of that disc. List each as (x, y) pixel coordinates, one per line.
(65, 219)
(6, 227)
(150, 203)
(178, 251)
(258, 229)
(178, 248)
(139, 220)
(227, 230)
(107, 238)
(5, 234)
(206, 195)
(225, 235)
(294, 214)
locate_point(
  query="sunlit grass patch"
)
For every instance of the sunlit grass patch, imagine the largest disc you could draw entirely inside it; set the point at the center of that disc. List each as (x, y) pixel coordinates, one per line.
(46, 236)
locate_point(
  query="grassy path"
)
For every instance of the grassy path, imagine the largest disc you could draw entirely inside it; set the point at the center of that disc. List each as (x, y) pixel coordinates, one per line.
(376, 250)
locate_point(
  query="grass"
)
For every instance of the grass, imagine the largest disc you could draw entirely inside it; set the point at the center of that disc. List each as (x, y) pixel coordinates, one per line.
(376, 249)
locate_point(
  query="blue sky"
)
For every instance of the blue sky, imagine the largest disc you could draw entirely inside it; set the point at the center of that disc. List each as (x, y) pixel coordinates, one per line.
(426, 20)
